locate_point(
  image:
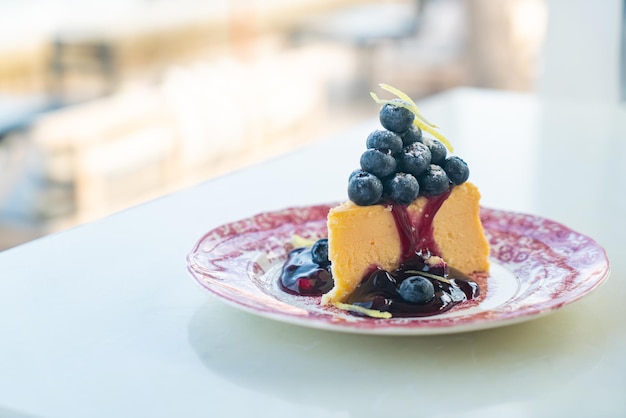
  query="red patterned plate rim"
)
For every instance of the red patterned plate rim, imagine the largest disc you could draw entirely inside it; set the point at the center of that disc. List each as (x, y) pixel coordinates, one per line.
(538, 266)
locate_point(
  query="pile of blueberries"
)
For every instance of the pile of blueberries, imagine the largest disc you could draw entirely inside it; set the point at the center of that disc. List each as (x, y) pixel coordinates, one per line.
(401, 164)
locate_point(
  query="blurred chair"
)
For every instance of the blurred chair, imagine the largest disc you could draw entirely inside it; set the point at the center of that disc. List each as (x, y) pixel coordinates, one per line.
(112, 152)
(435, 57)
(364, 27)
(79, 56)
(419, 46)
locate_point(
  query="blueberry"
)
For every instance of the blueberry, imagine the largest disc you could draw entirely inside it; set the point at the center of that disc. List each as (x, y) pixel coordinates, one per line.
(456, 169)
(378, 163)
(415, 159)
(433, 181)
(354, 173)
(364, 188)
(384, 140)
(438, 151)
(396, 118)
(383, 280)
(402, 188)
(319, 252)
(417, 289)
(411, 135)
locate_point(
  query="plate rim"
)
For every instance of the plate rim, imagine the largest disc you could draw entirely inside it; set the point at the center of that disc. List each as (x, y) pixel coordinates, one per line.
(413, 326)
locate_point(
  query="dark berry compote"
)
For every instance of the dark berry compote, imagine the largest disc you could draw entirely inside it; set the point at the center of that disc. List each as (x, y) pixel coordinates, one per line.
(301, 275)
(421, 286)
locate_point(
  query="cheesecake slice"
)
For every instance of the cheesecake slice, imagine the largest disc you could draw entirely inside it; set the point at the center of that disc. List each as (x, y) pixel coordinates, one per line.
(409, 238)
(364, 238)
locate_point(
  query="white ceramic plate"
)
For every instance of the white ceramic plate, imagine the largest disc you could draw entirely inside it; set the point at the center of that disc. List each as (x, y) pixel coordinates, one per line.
(538, 266)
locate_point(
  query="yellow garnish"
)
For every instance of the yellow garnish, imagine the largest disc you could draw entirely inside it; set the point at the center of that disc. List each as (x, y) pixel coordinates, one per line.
(410, 105)
(432, 276)
(369, 312)
(300, 242)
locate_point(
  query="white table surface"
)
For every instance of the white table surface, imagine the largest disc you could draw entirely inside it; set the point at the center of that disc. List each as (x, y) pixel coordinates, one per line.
(104, 321)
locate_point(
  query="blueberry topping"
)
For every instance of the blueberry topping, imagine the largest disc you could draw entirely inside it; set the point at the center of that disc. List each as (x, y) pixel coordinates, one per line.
(396, 118)
(384, 140)
(415, 159)
(319, 252)
(377, 162)
(417, 289)
(402, 188)
(354, 173)
(456, 169)
(438, 151)
(400, 155)
(433, 181)
(411, 135)
(364, 188)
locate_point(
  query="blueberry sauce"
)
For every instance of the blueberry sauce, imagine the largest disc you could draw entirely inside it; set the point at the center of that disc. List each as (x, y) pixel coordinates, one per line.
(301, 276)
(379, 290)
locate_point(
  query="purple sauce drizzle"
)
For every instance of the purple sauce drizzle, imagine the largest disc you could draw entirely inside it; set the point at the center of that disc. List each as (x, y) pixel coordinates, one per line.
(422, 239)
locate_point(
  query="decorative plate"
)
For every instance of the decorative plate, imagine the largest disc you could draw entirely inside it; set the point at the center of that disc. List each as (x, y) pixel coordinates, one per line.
(537, 266)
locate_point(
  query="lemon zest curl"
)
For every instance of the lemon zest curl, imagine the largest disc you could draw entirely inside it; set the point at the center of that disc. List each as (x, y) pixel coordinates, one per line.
(373, 313)
(407, 103)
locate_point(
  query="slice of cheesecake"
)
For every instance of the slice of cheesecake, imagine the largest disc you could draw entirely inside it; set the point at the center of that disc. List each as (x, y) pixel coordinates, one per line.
(363, 238)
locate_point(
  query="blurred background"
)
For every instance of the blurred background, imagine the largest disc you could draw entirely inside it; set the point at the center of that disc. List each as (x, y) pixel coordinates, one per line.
(104, 105)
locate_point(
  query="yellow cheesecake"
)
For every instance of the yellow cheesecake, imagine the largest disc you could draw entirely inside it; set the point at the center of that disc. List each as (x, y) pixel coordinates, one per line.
(362, 238)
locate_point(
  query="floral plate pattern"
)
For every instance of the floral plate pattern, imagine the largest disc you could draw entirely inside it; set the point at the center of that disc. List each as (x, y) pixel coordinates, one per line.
(537, 266)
